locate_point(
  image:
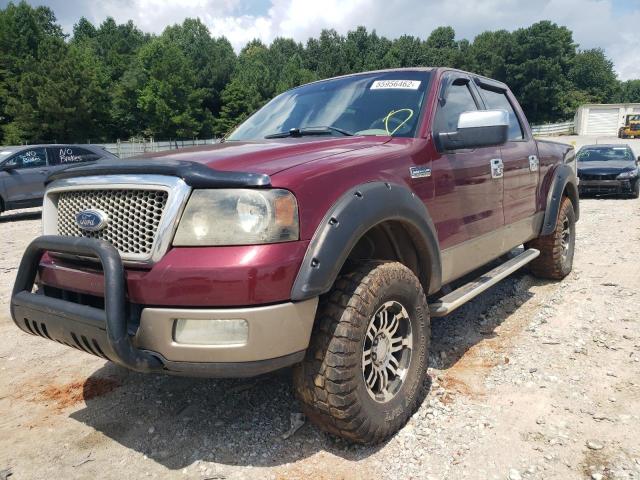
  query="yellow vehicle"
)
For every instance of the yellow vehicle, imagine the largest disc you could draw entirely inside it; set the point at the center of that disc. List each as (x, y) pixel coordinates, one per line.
(631, 128)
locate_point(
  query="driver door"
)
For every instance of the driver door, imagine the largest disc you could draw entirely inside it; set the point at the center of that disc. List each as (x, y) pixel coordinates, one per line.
(468, 206)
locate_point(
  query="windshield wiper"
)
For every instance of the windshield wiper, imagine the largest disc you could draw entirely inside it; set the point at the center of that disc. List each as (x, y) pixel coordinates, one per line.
(307, 131)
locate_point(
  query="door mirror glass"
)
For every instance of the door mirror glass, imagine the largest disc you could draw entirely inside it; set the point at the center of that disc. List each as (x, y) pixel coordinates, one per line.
(482, 128)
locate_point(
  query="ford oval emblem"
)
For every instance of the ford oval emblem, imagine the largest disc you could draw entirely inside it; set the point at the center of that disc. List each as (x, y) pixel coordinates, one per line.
(91, 220)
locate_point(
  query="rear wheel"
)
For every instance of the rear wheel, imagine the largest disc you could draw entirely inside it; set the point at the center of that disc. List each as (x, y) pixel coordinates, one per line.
(364, 374)
(556, 249)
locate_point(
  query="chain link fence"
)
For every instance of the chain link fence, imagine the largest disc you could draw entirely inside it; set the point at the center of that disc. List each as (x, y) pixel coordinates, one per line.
(138, 146)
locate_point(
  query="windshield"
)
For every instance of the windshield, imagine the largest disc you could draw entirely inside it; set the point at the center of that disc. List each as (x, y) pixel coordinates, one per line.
(5, 152)
(386, 103)
(601, 154)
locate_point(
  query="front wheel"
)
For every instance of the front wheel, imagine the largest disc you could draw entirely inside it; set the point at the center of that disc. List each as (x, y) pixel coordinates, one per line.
(556, 249)
(364, 373)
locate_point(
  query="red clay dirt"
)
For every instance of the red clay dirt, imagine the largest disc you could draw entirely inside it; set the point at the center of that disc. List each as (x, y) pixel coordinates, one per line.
(70, 394)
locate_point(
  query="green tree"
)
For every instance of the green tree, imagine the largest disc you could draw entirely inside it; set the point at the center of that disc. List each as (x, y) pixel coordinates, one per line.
(84, 31)
(23, 30)
(364, 50)
(59, 96)
(293, 74)
(537, 69)
(326, 56)
(405, 51)
(212, 59)
(490, 52)
(592, 73)
(253, 68)
(117, 45)
(629, 92)
(168, 101)
(441, 49)
(108, 50)
(239, 100)
(285, 62)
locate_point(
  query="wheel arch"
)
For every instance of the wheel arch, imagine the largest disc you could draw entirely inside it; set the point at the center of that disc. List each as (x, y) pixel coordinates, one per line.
(563, 184)
(389, 212)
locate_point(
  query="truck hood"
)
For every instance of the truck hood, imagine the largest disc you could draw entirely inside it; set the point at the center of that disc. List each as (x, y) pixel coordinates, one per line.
(268, 157)
(605, 167)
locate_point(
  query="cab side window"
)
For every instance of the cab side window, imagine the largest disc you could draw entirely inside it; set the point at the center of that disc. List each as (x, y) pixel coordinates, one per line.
(32, 158)
(499, 101)
(457, 101)
(70, 154)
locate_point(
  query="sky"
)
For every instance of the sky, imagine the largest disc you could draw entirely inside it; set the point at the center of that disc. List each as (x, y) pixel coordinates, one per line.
(613, 25)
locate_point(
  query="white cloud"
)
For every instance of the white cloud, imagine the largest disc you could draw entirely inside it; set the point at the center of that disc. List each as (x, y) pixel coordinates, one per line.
(595, 23)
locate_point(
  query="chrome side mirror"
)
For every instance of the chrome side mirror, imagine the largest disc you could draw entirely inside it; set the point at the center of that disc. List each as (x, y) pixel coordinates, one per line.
(481, 128)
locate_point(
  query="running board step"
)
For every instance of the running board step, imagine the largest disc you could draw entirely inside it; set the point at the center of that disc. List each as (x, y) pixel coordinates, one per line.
(447, 304)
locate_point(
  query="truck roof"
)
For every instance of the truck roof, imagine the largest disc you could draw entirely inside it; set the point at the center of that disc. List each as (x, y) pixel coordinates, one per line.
(412, 69)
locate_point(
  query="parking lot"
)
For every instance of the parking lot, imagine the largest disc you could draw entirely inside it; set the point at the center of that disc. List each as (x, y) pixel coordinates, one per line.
(533, 379)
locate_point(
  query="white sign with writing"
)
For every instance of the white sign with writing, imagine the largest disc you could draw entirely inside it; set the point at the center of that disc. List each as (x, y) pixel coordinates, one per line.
(66, 156)
(402, 84)
(30, 157)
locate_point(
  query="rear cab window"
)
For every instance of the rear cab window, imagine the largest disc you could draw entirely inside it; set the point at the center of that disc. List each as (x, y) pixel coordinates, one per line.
(64, 155)
(30, 158)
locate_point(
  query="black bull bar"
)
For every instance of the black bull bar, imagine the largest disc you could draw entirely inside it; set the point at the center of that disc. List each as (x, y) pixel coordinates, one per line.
(101, 332)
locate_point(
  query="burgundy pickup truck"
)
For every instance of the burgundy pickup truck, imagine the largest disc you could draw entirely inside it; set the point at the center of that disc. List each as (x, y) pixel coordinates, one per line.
(323, 233)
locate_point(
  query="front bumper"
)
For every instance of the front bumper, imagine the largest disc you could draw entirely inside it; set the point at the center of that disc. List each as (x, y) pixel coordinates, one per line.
(193, 276)
(610, 187)
(278, 334)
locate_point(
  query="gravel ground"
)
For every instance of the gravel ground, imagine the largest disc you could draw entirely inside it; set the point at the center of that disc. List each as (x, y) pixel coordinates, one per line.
(531, 380)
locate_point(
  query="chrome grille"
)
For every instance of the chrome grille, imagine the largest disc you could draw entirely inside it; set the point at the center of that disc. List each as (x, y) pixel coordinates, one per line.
(134, 217)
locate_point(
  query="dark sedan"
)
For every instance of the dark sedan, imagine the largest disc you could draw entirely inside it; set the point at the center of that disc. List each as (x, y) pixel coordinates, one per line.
(608, 170)
(24, 169)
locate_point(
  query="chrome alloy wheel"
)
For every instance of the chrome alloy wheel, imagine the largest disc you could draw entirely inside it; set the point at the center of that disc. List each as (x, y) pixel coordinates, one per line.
(386, 352)
(565, 239)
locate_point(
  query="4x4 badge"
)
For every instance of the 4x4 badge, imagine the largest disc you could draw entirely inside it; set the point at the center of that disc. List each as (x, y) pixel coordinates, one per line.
(420, 172)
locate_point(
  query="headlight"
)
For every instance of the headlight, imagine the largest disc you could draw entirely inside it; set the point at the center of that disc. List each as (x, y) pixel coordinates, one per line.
(238, 217)
(629, 174)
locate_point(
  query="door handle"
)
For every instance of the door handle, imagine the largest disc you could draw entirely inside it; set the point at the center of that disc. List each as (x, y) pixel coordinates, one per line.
(497, 168)
(534, 163)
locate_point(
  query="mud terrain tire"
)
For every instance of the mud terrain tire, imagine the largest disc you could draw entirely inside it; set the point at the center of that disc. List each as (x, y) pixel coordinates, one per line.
(330, 382)
(556, 249)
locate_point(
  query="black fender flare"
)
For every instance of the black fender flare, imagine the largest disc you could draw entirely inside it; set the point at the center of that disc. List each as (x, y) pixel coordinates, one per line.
(564, 178)
(356, 212)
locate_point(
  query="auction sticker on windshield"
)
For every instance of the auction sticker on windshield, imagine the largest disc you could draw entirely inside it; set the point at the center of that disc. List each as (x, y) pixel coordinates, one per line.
(404, 84)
